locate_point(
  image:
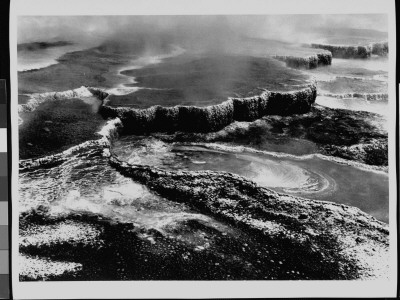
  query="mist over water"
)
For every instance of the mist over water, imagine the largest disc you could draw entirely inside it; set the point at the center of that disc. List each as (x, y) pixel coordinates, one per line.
(199, 29)
(152, 39)
(149, 40)
(137, 63)
(90, 187)
(149, 34)
(75, 196)
(41, 58)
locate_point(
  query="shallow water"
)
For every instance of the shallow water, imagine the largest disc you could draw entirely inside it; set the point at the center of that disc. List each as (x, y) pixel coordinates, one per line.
(358, 104)
(363, 76)
(167, 240)
(162, 232)
(125, 88)
(88, 185)
(307, 176)
(375, 63)
(56, 125)
(41, 58)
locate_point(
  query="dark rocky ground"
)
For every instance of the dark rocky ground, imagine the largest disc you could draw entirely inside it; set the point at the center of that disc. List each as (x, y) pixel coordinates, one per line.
(308, 231)
(283, 237)
(121, 254)
(278, 237)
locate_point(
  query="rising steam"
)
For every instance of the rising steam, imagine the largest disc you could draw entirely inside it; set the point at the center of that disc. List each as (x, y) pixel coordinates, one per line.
(205, 32)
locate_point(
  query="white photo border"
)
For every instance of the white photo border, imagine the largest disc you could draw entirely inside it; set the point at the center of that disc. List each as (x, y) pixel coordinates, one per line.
(203, 289)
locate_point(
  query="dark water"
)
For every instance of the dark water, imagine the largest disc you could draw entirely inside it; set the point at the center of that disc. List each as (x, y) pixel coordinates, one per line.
(41, 58)
(56, 125)
(203, 80)
(307, 176)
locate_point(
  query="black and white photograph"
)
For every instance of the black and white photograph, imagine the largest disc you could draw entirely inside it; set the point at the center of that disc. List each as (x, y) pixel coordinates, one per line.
(204, 147)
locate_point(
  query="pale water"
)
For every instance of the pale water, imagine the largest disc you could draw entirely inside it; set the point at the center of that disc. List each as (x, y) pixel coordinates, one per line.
(307, 176)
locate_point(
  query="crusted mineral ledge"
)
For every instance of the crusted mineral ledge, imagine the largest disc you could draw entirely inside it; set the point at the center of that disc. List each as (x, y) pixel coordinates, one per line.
(381, 49)
(366, 96)
(374, 152)
(83, 92)
(348, 137)
(320, 236)
(309, 62)
(331, 240)
(212, 118)
(364, 51)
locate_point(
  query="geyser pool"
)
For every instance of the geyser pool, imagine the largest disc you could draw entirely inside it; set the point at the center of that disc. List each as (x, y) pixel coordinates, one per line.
(308, 176)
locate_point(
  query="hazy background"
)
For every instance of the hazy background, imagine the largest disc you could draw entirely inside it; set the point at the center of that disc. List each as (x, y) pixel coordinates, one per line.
(208, 29)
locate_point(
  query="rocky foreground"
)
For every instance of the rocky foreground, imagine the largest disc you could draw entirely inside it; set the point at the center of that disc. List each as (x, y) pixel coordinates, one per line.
(317, 237)
(266, 235)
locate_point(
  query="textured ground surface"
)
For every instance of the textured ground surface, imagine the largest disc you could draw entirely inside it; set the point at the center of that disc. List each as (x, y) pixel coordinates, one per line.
(87, 215)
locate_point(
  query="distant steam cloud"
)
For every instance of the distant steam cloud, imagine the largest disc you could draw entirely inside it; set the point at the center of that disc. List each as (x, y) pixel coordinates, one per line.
(33, 28)
(199, 31)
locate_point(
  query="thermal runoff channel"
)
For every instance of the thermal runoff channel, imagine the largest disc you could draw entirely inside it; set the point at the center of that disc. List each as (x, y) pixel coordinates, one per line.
(203, 147)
